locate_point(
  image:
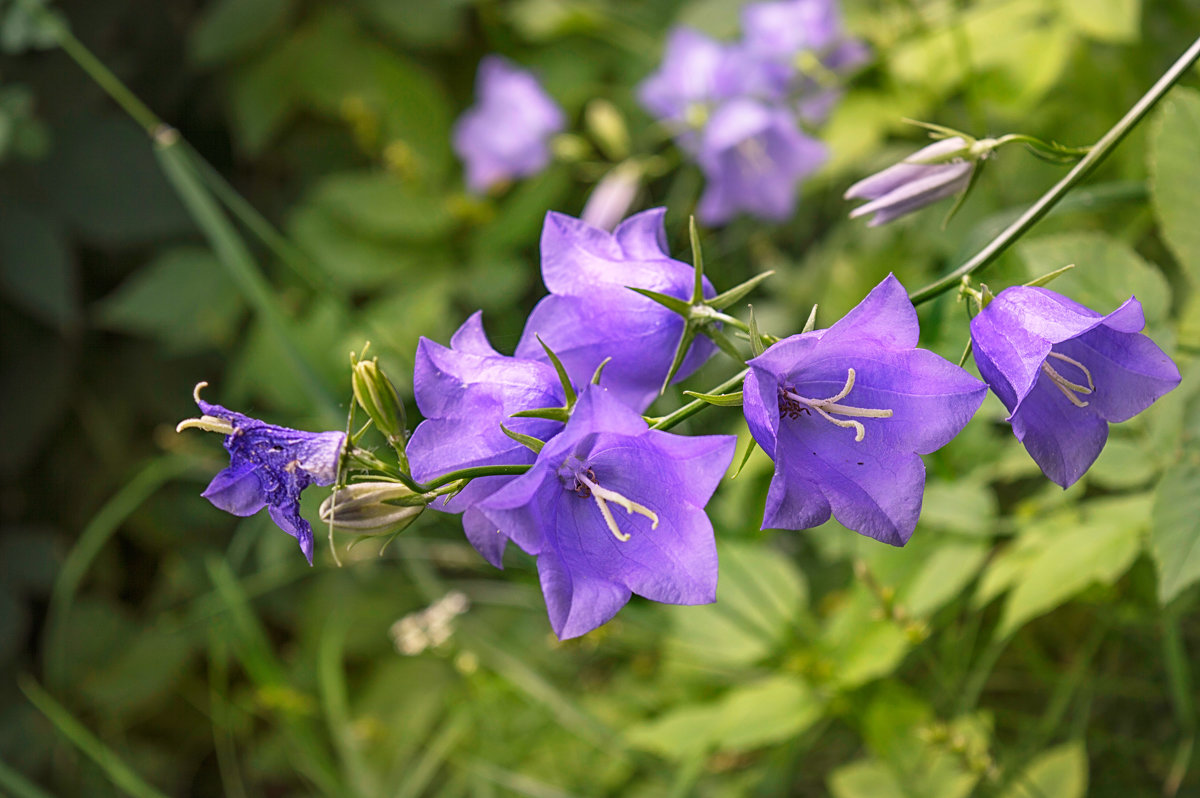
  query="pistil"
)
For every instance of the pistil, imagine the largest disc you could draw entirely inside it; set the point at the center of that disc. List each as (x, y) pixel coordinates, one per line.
(1069, 389)
(792, 404)
(602, 496)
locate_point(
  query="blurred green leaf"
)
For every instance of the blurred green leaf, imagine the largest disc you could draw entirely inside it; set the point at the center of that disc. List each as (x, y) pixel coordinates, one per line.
(35, 384)
(37, 267)
(139, 672)
(963, 505)
(759, 596)
(1125, 463)
(1174, 175)
(1061, 772)
(232, 29)
(422, 23)
(865, 778)
(1099, 548)
(378, 204)
(183, 298)
(1107, 20)
(1107, 272)
(1175, 532)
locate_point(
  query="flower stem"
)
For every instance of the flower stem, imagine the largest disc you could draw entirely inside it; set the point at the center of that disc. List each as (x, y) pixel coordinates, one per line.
(1086, 165)
(472, 473)
(696, 405)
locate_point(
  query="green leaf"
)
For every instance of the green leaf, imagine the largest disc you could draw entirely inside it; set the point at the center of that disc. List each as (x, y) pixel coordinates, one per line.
(1106, 20)
(963, 505)
(1175, 529)
(1107, 272)
(380, 205)
(1097, 550)
(759, 598)
(1175, 174)
(37, 270)
(1061, 772)
(1124, 463)
(231, 29)
(183, 298)
(866, 778)
(423, 23)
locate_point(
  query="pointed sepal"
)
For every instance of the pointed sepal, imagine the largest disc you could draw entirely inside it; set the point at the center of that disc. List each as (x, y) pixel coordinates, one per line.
(718, 399)
(568, 389)
(671, 303)
(738, 292)
(528, 441)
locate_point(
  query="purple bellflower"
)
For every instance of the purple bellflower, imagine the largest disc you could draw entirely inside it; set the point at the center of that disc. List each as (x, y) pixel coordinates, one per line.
(591, 315)
(1065, 372)
(466, 392)
(612, 508)
(269, 466)
(690, 79)
(844, 413)
(505, 134)
(754, 156)
(928, 175)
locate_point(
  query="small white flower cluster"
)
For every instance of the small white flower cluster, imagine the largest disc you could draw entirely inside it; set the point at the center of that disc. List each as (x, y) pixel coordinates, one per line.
(430, 627)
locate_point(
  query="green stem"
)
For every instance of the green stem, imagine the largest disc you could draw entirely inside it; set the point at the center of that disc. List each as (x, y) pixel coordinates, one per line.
(696, 405)
(472, 473)
(1098, 153)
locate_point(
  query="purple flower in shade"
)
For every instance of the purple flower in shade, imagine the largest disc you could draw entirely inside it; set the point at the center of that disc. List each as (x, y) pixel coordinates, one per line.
(465, 393)
(269, 466)
(924, 177)
(591, 315)
(1065, 372)
(505, 134)
(611, 508)
(753, 156)
(844, 412)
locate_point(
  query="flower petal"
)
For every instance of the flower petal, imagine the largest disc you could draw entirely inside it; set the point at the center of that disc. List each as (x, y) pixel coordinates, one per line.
(237, 491)
(577, 603)
(1129, 370)
(885, 317)
(287, 518)
(1064, 440)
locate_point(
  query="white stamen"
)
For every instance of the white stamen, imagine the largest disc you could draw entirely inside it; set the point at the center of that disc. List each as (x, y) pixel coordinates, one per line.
(604, 495)
(1068, 388)
(206, 423)
(826, 407)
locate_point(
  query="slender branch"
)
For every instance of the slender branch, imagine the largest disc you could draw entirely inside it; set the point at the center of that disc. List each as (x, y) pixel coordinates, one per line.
(1039, 209)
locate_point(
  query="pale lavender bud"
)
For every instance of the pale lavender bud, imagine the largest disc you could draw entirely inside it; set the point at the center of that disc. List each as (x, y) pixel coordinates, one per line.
(940, 170)
(612, 197)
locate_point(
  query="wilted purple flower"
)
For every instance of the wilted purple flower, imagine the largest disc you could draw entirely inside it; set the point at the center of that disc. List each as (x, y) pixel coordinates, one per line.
(1065, 372)
(269, 466)
(591, 315)
(753, 156)
(612, 508)
(465, 393)
(505, 134)
(926, 176)
(844, 412)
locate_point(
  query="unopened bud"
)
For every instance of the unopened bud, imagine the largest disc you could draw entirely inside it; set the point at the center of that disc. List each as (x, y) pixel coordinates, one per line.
(607, 127)
(372, 508)
(377, 396)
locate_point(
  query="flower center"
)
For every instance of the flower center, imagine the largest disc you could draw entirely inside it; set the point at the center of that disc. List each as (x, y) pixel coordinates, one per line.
(792, 405)
(1069, 389)
(586, 487)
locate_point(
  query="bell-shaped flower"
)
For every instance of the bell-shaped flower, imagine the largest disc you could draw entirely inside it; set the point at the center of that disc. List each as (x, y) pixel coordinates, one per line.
(612, 508)
(1065, 372)
(466, 392)
(931, 173)
(845, 412)
(506, 134)
(688, 81)
(754, 157)
(269, 466)
(592, 315)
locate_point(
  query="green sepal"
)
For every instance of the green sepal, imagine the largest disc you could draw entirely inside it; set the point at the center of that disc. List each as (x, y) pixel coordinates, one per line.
(528, 441)
(756, 344)
(745, 457)
(685, 342)
(1046, 278)
(718, 399)
(738, 292)
(671, 303)
(599, 370)
(568, 389)
(966, 354)
(697, 261)
(811, 324)
(723, 343)
(549, 413)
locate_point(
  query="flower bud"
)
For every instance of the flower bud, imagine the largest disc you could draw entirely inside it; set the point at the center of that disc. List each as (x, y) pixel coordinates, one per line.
(377, 396)
(372, 508)
(612, 197)
(607, 127)
(940, 170)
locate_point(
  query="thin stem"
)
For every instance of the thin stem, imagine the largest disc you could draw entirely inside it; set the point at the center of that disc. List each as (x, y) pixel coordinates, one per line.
(472, 473)
(1098, 153)
(696, 405)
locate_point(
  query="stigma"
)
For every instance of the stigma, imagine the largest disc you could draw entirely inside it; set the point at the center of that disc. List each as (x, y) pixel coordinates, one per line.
(586, 487)
(1069, 389)
(792, 405)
